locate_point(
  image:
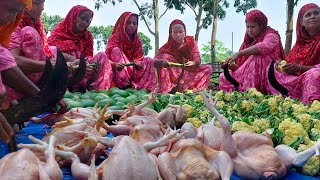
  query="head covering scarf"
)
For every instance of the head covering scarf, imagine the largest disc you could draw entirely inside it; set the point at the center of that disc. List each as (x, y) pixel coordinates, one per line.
(119, 38)
(182, 54)
(306, 51)
(257, 17)
(65, 39)
(7, 29)
(27, 21)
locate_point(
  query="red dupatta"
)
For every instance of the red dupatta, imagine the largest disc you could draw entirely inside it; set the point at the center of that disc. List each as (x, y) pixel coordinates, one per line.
(119, 38)
(258, 17)
(306, 51)
(182, 54)
(65, 39)
(27, 21)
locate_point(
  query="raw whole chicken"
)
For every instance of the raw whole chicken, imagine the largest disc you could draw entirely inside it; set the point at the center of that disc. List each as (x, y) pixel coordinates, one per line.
(207, 133)
(25, 164)
(175, 116)
(253, 155)
(80, 171)
(191, 159)
(129, 160)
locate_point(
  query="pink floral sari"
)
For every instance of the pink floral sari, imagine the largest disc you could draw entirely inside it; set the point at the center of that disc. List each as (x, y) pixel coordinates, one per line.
(121, 49)
(77, 44)
(253, 69)
(305, 52)
(193, 78)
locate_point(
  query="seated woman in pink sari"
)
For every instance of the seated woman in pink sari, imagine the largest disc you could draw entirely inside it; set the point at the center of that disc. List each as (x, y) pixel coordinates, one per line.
(261, 45)
(28, 45)
(10, 16)
(301, 74)
(124, 46)
(184, 50)
(72, 37)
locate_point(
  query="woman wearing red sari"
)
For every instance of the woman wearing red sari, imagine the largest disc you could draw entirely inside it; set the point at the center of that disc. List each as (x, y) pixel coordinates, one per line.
(261, 45)
(184, 50)
(301, 74)
(124, 46)
(72, 37)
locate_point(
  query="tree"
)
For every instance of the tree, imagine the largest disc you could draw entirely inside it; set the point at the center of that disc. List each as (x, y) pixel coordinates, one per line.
(151, 12)
(290, 9)
(99, 3)
(221, 52)
(240, 7)
(49, 22)
(102, 34)
(198, 7)
(145, 43)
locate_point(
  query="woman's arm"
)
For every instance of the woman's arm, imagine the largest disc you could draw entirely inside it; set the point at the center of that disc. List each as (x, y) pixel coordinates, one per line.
(27, 65)
(269, 43)
(293, 68)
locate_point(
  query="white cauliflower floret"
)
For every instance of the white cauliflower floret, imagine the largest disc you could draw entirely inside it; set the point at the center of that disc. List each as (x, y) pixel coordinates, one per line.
(252, 92)
(273, 103)
(315, 106)
(299, 108)
(219, 95)
(312, 166)
(189, 110)
(291, 131)
(242, 126)
(195, 122)
(315, 131)
(261, 124)
(305, 120)
(198, 98)
(281, 64)
(220, 104)
(228, 97)
(247, 105)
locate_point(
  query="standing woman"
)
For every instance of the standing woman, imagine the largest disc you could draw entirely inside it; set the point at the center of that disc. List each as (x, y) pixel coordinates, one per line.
(124, 46)
(184, 50)
(71, 36)
(261, 45)
(301, 74)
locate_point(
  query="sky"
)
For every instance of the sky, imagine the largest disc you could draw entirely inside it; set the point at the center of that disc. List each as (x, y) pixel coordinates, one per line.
(234, 22)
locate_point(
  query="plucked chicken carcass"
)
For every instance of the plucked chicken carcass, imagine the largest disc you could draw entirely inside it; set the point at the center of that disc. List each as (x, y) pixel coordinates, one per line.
(174, 115)
(191, 159)
(207, 133)
(253, 155)
(24, 164)
(80, 171)
(130, 160)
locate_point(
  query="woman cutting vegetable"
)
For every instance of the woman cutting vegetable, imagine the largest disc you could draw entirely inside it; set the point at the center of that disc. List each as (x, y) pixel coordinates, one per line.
(72, 37)
(124, 49)
(181, 57)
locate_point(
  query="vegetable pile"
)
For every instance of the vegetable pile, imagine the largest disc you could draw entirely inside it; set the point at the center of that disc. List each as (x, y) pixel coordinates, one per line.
(286, 120)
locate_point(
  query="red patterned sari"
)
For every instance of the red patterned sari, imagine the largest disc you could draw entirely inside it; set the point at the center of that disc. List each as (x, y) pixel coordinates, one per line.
(120, 49)
(254, 68)
(77, 44)
(305, 52)
(192, 78)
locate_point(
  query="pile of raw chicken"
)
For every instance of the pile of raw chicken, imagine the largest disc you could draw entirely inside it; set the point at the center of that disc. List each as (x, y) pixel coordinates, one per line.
(149, 145)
